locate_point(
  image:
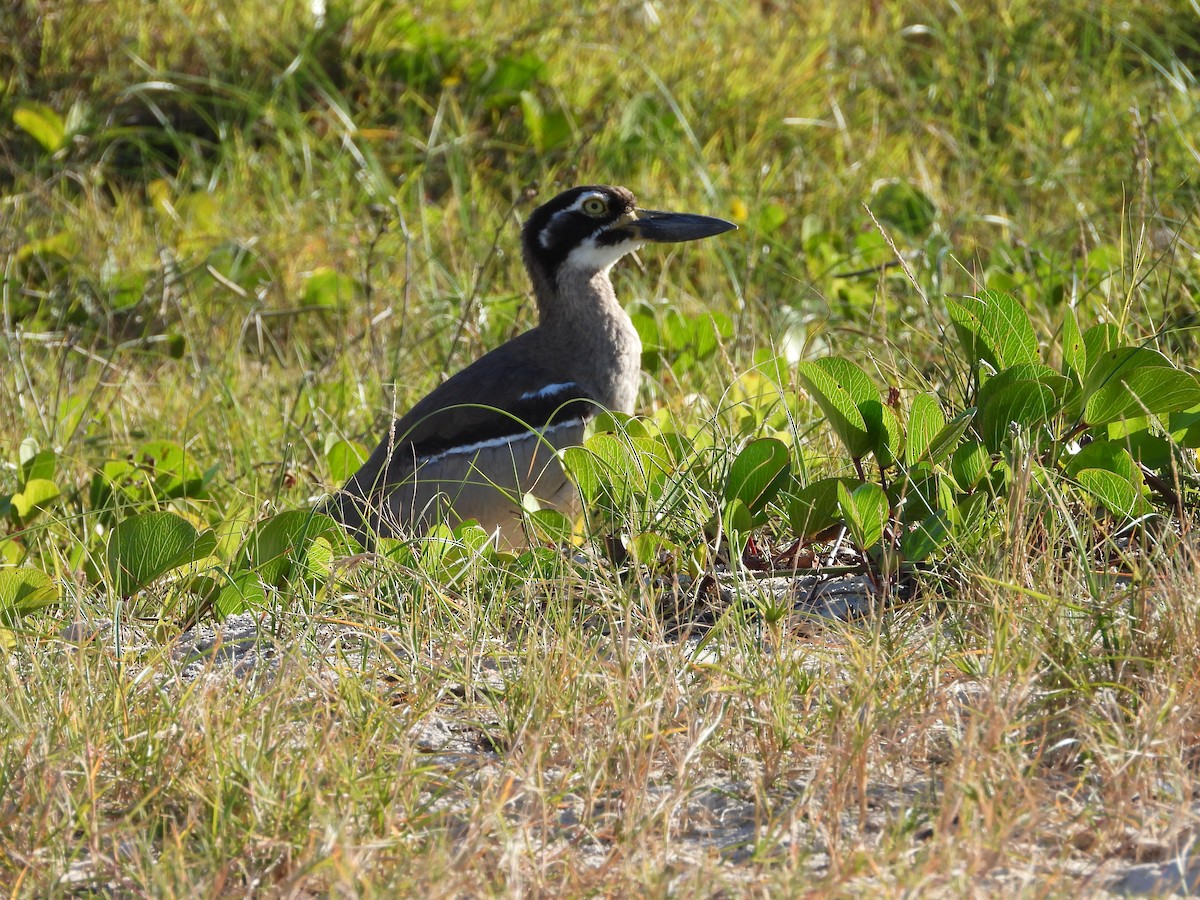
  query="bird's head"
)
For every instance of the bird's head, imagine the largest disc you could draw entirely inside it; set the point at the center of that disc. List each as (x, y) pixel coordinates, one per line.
(587, 229)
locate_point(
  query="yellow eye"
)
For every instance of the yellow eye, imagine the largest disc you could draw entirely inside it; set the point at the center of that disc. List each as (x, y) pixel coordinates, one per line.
(594, 206)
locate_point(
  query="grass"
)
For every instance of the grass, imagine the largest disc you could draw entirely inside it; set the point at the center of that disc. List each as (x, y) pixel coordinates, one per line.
(470, 725)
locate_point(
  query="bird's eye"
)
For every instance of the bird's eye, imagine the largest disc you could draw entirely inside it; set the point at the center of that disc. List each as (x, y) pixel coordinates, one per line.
(594, 206)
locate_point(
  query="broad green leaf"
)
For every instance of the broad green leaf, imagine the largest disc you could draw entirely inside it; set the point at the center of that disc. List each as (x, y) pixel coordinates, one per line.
(39, 465)
(737, 522)
(115, 475)
(927, 538)
(23, 591)
(36, 493)
(946, 440)
(925, 420)
(143, 548)
(61, 244)
(883, 424)
(1134, 381)
(1151, 450)
(648, 546)
(238, 592)
(175, 471)
(920, 494)
(839, 386)
(1109, 455)
(972, 521)
(770, 217)
(1185, 427)
(552, 526)
(618, 467)
(865, 511)
(344, 458)
(1075, 358)
(1106, 470)
(1098, 340)
(547, 129)
(286, 545)
(970, 464)
(1117, 494)
(758, 473)
(815, 507)
(587, 469)
(995, 327)
(1025, 403)
(1027, 395)
(41, 123)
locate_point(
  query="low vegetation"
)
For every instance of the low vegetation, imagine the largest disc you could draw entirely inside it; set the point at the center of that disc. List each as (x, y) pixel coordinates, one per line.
(949, 355)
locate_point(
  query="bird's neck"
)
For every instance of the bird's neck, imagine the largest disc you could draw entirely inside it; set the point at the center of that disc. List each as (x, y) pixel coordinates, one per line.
(584, 320)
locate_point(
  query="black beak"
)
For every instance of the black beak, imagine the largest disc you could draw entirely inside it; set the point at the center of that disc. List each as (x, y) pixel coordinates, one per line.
(670, 228)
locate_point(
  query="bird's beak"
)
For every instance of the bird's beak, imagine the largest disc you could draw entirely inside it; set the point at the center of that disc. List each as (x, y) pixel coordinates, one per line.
(670, 228)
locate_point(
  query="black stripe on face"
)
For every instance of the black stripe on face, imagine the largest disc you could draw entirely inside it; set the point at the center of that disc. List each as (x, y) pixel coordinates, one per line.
(556, 228)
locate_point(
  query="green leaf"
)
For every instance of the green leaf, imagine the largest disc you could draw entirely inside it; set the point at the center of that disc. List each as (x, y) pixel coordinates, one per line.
(770, 217)
(758, 473)
(972, 521)
(921, 493)
(970, 464)
(838, 386)
(737, 523)
(613, 468)
(995, 328)
(1185, 427)
(904, 207)
(23, 591)
(344, 458)
(552, 526)
(1098, 340)
(175, 472)
(40, 465)
(286, 545)
(647, 547)
(1075, 358)
(927, 538)
(1107, 471)
(36, 493)
(61, 244)
(587, 469)
(1027, 395)
(1133, 381)
(43, 124)
(143, 548)
(815, 507)
(925, 420)
(883, 423)
(1108, 455)
(947, 439)
(1118, 495)
(237, 593)
(865, 511)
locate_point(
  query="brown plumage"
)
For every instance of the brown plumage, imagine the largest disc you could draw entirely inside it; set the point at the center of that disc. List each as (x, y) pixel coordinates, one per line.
(476, 444)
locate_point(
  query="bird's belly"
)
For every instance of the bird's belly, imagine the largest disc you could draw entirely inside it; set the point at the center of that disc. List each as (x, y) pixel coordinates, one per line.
(487, 482)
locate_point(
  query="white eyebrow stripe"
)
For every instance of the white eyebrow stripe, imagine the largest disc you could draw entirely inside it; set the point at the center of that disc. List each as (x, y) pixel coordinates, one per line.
(577, 206)
(547, 391)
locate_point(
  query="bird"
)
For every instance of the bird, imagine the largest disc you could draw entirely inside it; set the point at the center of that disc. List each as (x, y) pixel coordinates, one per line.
(490, 434)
